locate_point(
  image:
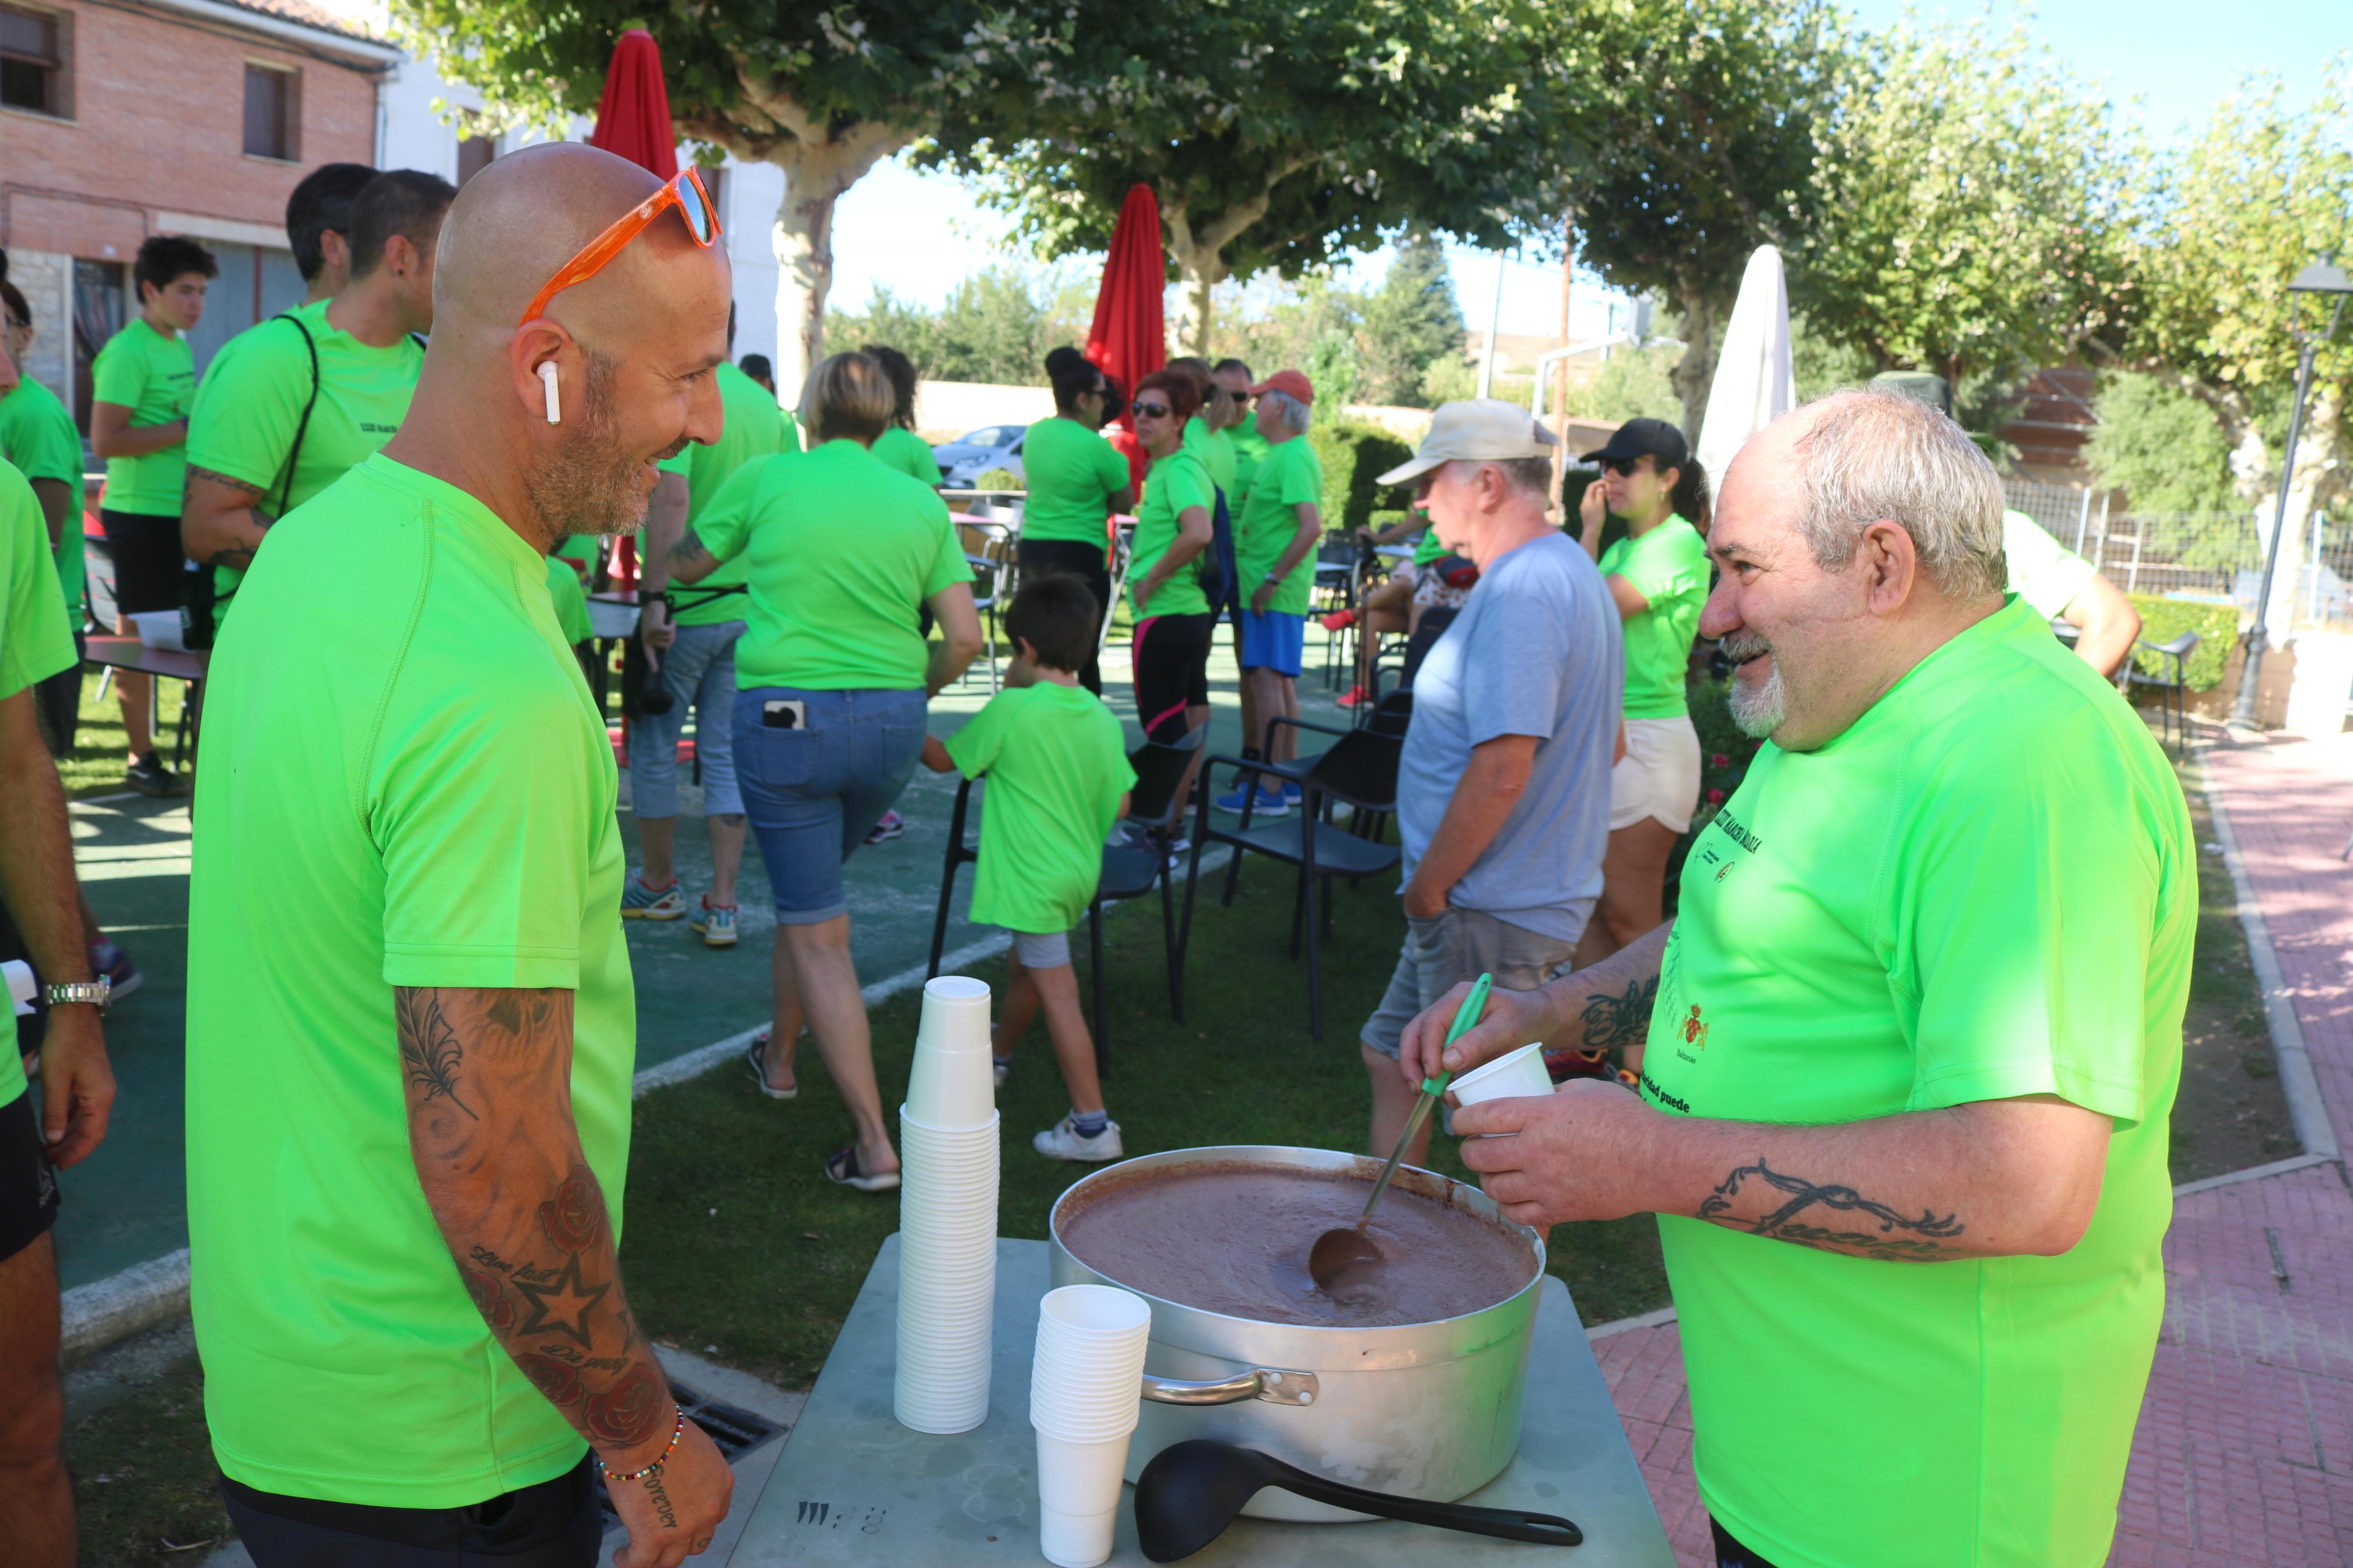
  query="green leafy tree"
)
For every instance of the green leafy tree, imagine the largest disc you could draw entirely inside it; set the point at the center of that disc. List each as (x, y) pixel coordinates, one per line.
(1410, 322)
(2161, 446)
(1278, 137)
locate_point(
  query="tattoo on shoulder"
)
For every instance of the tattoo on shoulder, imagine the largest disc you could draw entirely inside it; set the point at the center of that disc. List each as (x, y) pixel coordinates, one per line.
(1621, 1019)
(690, 550)
(1899, 1237)
(429, 1051)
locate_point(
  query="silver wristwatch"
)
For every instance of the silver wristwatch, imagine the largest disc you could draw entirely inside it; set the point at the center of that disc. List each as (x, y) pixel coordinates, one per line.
(90, 990)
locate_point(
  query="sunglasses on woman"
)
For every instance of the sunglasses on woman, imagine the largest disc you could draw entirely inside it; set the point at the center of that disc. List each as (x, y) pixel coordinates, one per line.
(1154, 410)
(1624, 468)
(685, 192)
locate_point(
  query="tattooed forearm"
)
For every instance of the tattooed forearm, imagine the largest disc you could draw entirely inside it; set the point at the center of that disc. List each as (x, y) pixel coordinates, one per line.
(1918, 1241)
(1621, 1019)
(689, 551)
(247, 493)
(430, 1052)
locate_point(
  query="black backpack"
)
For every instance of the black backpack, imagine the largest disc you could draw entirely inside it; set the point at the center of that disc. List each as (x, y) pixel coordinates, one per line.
(202, 600)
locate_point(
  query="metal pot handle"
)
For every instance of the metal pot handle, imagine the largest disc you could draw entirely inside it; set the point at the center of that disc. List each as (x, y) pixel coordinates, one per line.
(1259, 1382)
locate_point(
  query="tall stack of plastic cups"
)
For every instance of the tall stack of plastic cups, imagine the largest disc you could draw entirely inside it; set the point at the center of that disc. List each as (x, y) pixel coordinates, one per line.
(947, 1213)
(1085, 1387)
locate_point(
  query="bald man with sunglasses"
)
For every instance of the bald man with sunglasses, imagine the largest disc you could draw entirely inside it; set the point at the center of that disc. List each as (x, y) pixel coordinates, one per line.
(410, 1017)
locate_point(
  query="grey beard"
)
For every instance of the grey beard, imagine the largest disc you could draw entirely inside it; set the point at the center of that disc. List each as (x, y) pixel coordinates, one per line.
(1759, 712)
(588, 485)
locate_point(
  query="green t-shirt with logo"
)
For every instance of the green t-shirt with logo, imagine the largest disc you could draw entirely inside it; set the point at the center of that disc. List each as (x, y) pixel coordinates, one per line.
(1071, 473)
(1057, 766)
(1668, 566)
(155, 378)
(2043, 572)
(755, 427)
(843, 552)
(433, 805)
(251, 405)
(1176, 482)
(35, 643)
(1983, 888)
(1249, 450)
(38, 435)
(1288, 475)
(901, 449)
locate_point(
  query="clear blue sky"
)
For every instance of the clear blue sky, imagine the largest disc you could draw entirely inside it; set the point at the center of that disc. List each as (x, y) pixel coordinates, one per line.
(2167, 61)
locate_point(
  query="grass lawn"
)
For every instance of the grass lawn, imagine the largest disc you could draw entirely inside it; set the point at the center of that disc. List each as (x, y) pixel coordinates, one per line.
(101, 752)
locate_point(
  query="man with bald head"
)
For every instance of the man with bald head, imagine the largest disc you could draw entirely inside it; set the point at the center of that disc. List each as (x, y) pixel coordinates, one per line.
(410, 1020)
(1912, 1036)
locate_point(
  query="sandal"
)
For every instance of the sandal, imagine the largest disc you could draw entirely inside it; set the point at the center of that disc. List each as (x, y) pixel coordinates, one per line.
(756, 1058)
(841, 1167)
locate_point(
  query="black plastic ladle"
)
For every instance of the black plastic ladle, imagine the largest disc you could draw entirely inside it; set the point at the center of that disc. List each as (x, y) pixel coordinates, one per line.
(1191, 1491)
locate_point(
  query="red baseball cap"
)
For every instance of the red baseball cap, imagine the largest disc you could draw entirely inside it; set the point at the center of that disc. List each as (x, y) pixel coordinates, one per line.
(1290, 382)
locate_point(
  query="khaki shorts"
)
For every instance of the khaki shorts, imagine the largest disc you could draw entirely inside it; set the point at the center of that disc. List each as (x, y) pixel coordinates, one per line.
(1450, 949)
(1659, 775)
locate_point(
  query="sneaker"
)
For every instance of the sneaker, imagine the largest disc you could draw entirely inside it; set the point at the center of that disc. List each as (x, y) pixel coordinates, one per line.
(149, 776)
(1354, 697)
(110, 960)
(892, 826)
(714, 923)
(1061, 1141)
(1338, 621)
(1000, 1066)
(1291, 794)
(639, 902)
(1269, 803)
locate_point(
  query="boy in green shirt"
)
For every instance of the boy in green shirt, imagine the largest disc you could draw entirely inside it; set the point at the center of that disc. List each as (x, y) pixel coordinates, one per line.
(1058, 779)
(141, 386)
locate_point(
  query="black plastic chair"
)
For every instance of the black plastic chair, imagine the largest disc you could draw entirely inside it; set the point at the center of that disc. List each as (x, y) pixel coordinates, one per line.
(2171, 683)
(1128, 871)
(1359, 772)
(1389, 717)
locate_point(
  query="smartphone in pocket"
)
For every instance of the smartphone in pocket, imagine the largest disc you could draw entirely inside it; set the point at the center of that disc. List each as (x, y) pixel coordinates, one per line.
(785, 713)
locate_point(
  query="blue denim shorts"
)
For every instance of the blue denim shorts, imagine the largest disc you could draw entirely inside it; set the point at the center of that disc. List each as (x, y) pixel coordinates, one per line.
(699, 671)
(813, 791)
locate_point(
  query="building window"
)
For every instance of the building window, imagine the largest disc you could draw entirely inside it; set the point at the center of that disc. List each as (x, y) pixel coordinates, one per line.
(33, 47)
(272, 112)
(474, 155)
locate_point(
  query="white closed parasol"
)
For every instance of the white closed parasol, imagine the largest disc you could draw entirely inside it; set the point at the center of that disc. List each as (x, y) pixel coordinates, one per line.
(1754, 382)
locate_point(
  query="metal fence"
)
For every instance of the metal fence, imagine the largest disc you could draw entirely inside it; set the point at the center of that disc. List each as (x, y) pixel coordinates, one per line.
(2212, 556)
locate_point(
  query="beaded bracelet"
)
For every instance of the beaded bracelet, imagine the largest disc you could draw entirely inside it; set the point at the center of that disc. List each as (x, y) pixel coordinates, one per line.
(676, 1433)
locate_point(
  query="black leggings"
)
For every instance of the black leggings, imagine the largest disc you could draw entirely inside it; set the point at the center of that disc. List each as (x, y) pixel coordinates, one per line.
(1171, 672)
(1074, 558)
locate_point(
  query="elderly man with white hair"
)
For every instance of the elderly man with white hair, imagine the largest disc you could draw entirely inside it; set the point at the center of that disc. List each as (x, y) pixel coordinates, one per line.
(1913, 1036)
(1275, 532)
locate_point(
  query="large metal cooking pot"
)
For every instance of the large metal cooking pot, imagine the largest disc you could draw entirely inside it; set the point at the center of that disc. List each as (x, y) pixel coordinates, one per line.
(1425, 1410)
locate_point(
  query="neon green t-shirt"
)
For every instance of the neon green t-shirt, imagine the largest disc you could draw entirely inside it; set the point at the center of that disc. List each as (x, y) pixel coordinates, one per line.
(1428, 548)
(155, 378)
(1269, 520)
(755, 427)
(582, 550)
(2043, 572)
(569, 600)
(1216, 450)
(1071, 473)
(1983, 888)
(431, 806)
(1176, 482)
(38, 435)
(1668, 566)
(843, 553)
(1249, 450)
(35, 643)
(251, 405)
(901, 449)
(1057, 766)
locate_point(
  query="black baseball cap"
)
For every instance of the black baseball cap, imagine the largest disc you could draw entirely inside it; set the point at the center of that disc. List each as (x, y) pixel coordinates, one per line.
(1646, 438)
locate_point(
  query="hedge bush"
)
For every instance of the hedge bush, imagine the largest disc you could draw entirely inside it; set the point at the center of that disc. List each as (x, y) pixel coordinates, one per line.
(1353, 455)
(2162, 620)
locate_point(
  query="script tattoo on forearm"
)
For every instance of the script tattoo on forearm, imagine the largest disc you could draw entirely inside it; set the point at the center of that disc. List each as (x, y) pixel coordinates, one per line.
(1899, 1238)
(1619, 1020)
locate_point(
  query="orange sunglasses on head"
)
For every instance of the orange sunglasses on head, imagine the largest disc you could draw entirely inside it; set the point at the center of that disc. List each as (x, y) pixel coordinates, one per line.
(685, 192)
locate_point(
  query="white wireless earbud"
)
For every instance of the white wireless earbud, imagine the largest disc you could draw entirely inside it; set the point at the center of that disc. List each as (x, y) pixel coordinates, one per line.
(554, 398)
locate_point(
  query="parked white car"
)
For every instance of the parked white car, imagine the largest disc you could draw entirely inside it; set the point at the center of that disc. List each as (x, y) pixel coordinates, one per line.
(969, 456)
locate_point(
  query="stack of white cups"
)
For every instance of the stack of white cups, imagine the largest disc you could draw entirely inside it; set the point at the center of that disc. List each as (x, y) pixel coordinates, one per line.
(947, 1213)
(1084, 1391)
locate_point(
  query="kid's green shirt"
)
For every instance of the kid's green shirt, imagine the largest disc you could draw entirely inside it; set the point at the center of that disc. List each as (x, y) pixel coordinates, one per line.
(35, 643)
(842, 552)
(1056, 766)
(430, 807)
(154, 377)
(1668, 566)
(1176, 482)
(250, 407)
(901, 449)
(37, 436)
(1983, 888)
(1289, 475)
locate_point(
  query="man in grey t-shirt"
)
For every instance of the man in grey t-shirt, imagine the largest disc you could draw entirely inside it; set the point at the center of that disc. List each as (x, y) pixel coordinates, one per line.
(1503, 791)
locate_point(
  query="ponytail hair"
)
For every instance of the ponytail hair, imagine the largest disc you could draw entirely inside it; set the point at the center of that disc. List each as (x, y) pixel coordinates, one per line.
(1690, 497)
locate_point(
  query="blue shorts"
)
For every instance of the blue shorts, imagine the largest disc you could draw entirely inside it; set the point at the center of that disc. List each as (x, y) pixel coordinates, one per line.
(1275, 640)
(814, 793)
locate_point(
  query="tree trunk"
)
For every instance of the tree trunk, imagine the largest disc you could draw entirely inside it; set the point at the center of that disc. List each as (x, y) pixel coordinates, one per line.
(1695, 374)
(804, 241)
(1198, 272)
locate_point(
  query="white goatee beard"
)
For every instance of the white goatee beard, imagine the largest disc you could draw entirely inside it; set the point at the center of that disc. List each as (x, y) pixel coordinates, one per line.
(1765, 708)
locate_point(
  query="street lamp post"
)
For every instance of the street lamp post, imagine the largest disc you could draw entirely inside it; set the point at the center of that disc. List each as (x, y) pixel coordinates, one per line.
(2323, 277)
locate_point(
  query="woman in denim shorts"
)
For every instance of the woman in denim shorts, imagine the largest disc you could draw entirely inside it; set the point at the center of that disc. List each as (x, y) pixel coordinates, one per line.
(832, 675)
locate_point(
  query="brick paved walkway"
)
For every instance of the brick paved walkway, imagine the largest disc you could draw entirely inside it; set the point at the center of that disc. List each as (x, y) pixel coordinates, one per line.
(2244, 1452)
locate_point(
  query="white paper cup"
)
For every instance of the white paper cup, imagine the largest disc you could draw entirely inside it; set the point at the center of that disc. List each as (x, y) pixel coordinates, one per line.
(951, 1089)
(1512, 1077)
(1078, 1499)
(1086, 1374)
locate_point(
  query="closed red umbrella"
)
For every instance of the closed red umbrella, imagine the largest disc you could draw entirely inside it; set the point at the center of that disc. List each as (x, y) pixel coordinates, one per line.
(1129, 339)
(633, 122)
